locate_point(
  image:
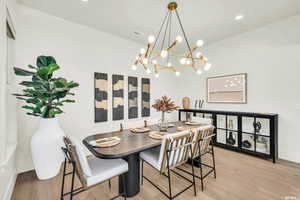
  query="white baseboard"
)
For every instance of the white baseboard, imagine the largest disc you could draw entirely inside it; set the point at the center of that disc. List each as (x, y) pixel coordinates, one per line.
(10, 187)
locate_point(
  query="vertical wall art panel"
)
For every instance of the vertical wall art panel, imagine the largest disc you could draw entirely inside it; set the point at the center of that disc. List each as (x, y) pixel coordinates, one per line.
(100, 97)
(145, 97)
(118, 97)
(132, 97)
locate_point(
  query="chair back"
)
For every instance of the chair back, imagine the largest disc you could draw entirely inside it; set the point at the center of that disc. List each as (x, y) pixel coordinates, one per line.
(202, 120)
(175, 149)
(202, 139)
(132, 124)
(72, 157)
(151, 121)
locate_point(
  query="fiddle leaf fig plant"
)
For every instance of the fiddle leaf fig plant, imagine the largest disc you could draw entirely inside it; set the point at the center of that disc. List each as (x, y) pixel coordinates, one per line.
(44, 94)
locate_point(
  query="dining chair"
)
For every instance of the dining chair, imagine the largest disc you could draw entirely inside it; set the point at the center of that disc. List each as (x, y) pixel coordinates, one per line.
(90, 171)
(202, 120)
(151, 121)
(202, 145)
(132, 124)
(174, 152)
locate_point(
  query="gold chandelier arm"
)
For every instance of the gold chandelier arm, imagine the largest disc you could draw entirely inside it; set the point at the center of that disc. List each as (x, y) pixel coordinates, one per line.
(148, 50)
(145, 67)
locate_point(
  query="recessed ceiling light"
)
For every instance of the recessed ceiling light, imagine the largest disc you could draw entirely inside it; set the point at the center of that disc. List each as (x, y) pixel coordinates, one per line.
(239, 17)
(85, 0)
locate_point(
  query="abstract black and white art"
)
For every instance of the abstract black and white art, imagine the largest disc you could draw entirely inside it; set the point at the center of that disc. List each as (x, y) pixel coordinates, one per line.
(100, 97)
(118, 97)
(145, 97)
(132, 97)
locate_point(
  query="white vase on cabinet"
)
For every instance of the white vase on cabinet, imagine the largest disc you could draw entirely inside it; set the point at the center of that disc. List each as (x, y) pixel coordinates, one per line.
(46, 150)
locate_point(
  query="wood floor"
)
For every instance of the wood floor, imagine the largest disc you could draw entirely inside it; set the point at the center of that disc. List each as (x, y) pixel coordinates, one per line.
(239, 176)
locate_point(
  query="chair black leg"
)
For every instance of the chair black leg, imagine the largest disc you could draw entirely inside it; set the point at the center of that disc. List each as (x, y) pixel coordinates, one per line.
(109, 184)
(201, 172)
(170, 186)
(142, 178)
(63, 181)
(213, 157)
(124, 186)
(194, 182)
(72, 184)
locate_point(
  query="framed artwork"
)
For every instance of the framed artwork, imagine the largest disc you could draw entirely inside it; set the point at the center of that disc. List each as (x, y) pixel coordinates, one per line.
(145, 97)
(132, 97)
(227, 89)
(100, 97)
(118, 97)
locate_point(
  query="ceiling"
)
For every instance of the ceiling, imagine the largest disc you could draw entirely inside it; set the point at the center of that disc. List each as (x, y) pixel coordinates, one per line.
(209, 20)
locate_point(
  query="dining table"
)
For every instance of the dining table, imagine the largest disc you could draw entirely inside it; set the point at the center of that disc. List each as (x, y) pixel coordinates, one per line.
(130, 146)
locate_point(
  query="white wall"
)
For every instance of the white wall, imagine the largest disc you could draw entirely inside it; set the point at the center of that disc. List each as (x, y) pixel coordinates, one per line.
(8, 122)
(80, 51)
(271, 57)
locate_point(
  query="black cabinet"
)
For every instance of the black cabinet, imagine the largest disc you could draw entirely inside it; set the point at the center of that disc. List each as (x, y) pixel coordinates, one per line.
(246, 132)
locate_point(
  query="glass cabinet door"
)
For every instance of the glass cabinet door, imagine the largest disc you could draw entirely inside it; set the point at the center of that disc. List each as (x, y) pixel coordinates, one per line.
(227, 130)
(256, 134)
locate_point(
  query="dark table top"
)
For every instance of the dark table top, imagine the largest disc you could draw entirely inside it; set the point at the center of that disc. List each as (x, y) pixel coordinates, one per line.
(131, 143)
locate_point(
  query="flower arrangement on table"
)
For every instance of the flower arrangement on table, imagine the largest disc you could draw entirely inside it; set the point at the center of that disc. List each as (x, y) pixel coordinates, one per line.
(164, 105)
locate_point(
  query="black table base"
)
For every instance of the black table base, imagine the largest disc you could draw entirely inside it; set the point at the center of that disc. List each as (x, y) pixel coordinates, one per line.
(132, 177)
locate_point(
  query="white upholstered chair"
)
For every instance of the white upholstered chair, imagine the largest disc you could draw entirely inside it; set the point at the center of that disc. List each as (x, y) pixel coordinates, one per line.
(132, 124)
(90, 171)
(152, 121)
(174, 151)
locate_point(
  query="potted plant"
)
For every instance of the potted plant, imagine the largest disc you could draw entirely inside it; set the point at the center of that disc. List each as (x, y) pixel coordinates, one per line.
(44, 97)
(164, 105)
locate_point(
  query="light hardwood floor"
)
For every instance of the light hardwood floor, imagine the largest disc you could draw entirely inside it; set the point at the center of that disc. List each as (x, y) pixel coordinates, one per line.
(239, 177)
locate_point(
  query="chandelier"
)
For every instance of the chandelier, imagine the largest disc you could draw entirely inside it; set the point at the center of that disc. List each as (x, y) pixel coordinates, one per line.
(162, 54)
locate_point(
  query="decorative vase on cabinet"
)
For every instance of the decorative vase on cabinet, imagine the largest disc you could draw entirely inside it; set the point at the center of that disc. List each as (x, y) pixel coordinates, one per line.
(45, 97)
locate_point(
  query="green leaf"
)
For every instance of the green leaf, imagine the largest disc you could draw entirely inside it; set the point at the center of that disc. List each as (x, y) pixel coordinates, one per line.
(43, 61)
(60, 82)
(47, 70)
(72, 84)
(30, 84)
(22, 72)
(21, 98)
(32, 100)
(32, 67)
(68, 101)
(28, 107)
(33, 114)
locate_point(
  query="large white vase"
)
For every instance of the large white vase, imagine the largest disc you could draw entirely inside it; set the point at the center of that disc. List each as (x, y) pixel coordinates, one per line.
(46, 150)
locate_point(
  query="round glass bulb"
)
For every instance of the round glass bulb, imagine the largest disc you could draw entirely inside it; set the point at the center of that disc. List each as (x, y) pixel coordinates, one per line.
(136, 58)
(156, 75)
(164, 53)
(145, 61)
(142, 51)
(188, 62)
(148, 71)
(169, 64)
(151, 39)
(154, 62)
(134, 67)
(198, 54)
(207, 66)
(199, 71)
(199, 43)
(183, 61)
(177, 73)
(179, 39)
